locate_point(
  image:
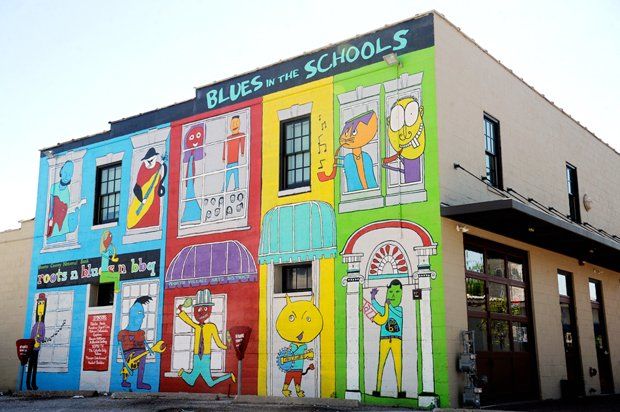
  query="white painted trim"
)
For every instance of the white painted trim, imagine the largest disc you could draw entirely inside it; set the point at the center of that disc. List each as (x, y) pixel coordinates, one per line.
(297, 190)
(295, 110)
(109, 158)
(104, 225)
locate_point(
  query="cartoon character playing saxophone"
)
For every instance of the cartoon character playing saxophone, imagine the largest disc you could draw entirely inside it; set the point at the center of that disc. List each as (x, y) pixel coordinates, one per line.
(358, 165)
(299, 323)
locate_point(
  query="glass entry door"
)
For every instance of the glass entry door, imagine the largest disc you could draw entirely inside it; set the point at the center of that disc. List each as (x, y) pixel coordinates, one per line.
(600, 337)
(574, 371)
(499, 313)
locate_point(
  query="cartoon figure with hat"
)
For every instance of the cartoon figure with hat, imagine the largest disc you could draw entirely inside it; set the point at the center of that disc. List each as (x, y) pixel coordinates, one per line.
(38, 334)
(148, 190)
(204, 333)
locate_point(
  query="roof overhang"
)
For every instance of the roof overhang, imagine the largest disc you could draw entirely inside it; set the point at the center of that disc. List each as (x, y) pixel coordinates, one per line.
(514, 219)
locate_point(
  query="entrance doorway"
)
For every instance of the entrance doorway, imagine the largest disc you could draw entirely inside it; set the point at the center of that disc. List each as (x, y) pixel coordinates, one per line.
(600, 337)
(499, 313)
(574, 370)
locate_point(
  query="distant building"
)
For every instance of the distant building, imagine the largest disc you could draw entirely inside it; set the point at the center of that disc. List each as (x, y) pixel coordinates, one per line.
(15, 253)
(357, 207)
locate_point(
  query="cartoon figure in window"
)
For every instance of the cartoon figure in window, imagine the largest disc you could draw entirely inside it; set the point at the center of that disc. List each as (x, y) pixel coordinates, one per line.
(63, 217)
(407, 137)
(358, 165)
(299, 323)
(204, 333)
(134, 347)
(234, 147)
(144, 209)
(193, 152)
(37, 333)
(389, 317)
(107, 274)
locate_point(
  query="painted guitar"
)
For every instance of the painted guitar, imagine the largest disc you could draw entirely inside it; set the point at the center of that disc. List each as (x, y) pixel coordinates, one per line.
(286, 359)
(134, 361)
(137, 209)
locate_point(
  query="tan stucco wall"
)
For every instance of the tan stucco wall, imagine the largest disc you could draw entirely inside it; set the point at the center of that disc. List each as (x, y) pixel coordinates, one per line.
(545, 307)
(15, 252)
(537, 138)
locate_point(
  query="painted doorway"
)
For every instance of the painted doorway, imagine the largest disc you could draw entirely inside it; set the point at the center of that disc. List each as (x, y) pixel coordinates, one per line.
(294, 327)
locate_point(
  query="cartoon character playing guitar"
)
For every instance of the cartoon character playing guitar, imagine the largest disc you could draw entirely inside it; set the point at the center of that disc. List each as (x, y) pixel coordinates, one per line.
(145, 206)
(134, 347)
(299, 323)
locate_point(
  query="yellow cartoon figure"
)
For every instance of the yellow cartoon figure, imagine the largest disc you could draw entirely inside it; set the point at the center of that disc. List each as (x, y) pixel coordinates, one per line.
(298, 323)
(407, 137)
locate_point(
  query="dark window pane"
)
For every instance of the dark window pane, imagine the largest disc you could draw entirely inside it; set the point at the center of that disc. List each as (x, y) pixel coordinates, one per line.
(519, 337)
(497, 298)
(517, 301)
(515, 271)
(476, 295)
(474, 261)
(495, 265)
(499, 336)
(479, 326)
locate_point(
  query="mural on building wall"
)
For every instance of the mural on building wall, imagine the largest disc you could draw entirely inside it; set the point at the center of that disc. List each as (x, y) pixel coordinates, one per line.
(38, 334)
(145, 207)
(109, 272)
(407, 138)
(134, 347)
(205, 333)
(393, 278)
(298, 323)
(357, 164)
(215, 173)
(64, 200)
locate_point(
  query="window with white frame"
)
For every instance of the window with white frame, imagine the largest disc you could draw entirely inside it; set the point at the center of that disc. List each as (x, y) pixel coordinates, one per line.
(405, 174)
(360, 178)
(54, 353)
(215, 173)
(130, 292)
(183, 339)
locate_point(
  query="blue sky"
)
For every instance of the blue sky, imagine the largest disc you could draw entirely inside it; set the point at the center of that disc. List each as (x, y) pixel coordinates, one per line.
(67, 68)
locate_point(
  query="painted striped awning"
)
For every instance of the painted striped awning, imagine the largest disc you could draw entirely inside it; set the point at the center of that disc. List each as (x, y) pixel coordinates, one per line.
(211, 264)
(298, 232)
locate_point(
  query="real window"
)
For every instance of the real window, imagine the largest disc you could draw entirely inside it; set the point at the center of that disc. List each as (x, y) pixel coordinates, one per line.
(295, 153)
(573, 193)
(492, 152)
(294, 278)
(101, 294)
(107, 194)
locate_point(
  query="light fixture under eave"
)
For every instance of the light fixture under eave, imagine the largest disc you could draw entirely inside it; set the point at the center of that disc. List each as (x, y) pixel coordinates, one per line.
(462, 228)
(391, 59)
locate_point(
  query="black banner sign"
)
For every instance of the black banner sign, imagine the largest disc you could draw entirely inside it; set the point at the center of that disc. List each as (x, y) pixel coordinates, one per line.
(405, 37)
(139, 265)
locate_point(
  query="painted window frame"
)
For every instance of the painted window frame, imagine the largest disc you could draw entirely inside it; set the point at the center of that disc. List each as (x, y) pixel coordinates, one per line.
(177, 323)
(151, 309)
(54, 165)
(407, 85)
(55, 365)
(366, 198)
(157, 139)
(225, 224)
